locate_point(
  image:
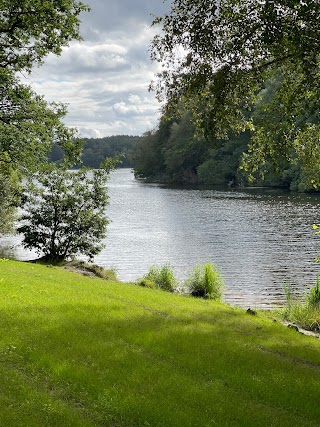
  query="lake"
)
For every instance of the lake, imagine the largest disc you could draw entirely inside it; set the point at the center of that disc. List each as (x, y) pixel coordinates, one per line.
(259, 238)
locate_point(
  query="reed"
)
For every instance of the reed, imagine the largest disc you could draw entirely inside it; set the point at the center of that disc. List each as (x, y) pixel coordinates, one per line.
(205, 281)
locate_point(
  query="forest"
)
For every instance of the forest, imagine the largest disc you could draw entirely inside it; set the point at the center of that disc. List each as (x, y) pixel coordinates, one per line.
(176, 152)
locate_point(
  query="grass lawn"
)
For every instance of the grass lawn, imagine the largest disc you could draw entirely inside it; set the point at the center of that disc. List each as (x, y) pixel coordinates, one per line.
(77, 351)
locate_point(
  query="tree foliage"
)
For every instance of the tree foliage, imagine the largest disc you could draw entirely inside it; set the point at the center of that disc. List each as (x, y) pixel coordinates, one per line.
(9, 199)
(216, 57)
(29, 126)
(179, 155)
(31, 29)
(174, 153)
(65, 212)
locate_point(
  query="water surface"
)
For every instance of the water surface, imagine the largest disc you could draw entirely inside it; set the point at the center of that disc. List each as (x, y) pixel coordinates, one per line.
(259, 238)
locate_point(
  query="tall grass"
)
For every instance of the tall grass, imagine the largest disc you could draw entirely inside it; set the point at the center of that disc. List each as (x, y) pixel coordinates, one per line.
(306, 311)
(205, 281)
(162, 277)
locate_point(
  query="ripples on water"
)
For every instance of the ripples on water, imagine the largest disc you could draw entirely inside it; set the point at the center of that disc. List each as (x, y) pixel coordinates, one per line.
(259, 238)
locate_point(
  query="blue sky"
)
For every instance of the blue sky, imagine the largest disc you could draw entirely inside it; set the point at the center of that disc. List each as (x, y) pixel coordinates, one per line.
(104, 79)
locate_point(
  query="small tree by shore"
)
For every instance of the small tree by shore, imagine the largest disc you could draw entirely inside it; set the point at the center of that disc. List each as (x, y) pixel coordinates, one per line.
(65, 212)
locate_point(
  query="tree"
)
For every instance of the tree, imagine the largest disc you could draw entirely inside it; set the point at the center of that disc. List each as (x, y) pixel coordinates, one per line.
(29, 126)
(216, 56)
(65, 212)
(183, 152)
(9, 199)
(148, 156)
(31, 29)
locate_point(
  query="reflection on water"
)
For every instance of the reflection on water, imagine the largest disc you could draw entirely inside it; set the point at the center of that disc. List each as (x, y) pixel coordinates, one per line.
(259, 238)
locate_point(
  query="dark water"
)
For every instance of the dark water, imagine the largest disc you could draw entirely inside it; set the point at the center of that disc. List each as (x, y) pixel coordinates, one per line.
(259, 238)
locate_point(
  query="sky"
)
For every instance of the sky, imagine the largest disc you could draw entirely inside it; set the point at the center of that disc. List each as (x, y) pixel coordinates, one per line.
(104, 79)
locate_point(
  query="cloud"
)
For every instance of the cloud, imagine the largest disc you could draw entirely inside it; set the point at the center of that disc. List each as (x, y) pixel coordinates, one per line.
(134, 106)
(119, 17)
(104, 80)
(89, 133)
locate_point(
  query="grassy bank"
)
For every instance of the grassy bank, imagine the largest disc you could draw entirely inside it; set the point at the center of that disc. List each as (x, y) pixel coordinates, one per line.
(79, 351)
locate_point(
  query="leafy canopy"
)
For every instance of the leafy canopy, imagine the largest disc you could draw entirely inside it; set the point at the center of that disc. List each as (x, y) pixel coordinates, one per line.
(65, 212)
(29, 126)
(216, 57)
(31, 29)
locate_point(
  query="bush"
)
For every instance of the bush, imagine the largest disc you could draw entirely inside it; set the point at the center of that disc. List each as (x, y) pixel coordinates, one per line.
(163, 277)
(205, 281)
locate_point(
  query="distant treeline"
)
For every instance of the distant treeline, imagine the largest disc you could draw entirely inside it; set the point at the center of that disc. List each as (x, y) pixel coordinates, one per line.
(95, 150)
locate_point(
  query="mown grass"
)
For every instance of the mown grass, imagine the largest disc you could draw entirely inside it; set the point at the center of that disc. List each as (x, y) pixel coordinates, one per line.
(77, 351)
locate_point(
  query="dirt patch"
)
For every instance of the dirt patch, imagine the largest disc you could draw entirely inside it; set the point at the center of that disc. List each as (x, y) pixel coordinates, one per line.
(90, 270)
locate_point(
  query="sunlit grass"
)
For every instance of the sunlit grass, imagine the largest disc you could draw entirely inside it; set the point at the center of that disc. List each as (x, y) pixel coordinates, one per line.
(77, 351)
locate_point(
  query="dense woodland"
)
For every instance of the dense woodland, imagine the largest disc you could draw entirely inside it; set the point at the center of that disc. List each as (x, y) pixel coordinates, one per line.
(240, 66)
(175, 152)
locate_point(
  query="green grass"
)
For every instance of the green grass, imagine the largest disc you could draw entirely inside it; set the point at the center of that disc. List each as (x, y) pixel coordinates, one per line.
(77, 351)
(205, 281)
(161, 276)
(303, 310)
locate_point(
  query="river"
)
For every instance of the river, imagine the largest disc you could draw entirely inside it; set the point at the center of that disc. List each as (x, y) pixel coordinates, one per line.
(259, 238)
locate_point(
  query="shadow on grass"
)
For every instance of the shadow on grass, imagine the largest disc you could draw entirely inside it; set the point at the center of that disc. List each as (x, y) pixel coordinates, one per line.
(128, 364)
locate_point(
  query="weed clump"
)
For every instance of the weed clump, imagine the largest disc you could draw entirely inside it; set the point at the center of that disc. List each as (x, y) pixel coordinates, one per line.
(206, 282)
(161, 276)
(304, 311)
(146, 283)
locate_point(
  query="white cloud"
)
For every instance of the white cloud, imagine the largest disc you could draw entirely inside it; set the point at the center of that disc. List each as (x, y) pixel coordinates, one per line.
(135, 105)
(89, 133)
(104, 80)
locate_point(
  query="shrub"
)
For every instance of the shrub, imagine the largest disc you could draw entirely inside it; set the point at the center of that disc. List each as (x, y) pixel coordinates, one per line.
(162, 276)
(205, 281)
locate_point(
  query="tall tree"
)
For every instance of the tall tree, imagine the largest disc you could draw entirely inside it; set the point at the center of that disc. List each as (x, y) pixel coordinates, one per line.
(217, 55)
(29, 126)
